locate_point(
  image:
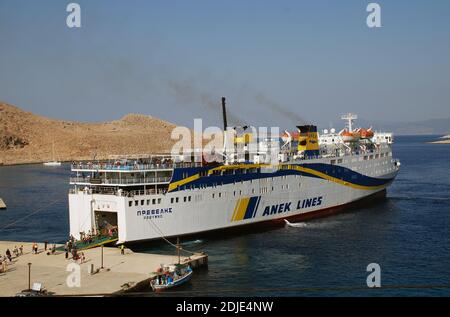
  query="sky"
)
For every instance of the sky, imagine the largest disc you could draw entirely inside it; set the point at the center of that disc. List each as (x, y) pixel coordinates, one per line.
(279, 63)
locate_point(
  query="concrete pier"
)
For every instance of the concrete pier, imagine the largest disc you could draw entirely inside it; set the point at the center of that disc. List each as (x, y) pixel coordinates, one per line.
(121, 273)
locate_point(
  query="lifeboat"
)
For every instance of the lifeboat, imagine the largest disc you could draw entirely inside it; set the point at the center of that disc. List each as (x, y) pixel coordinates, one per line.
(290, 135)
(350, 136)
(365, 133)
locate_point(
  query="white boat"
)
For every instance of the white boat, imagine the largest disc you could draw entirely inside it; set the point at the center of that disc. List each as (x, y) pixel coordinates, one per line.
(148, 197)
(53, 162)
(2, 204)
(176, 275)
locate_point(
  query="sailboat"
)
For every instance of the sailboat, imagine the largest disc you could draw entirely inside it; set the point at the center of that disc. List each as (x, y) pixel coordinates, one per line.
(53, 162)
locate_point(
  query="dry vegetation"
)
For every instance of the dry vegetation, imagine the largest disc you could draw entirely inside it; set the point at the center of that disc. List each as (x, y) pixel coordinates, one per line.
(28, 138)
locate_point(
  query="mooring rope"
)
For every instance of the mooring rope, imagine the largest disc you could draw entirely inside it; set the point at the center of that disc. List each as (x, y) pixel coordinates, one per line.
(166, 240)
(30, 214)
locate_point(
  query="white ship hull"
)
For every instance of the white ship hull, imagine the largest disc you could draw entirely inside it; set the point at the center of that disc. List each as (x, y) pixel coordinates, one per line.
(227, 206)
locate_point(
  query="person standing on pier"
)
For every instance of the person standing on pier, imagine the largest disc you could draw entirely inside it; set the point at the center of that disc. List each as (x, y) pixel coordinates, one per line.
(122, 249)
(3, 264)
(33, 247)
(21, 249)
(45, 245)
(8, 254)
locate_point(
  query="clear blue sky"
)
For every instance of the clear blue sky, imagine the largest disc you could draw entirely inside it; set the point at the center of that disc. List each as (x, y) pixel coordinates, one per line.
(276, 61)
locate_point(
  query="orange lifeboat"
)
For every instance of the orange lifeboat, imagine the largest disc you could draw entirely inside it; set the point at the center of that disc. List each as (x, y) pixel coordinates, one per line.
(350, 136)
(290, 134)
(366, 133)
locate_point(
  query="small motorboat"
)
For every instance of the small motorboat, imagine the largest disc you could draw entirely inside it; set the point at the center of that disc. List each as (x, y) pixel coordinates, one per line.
(172, 276)
(295, 225)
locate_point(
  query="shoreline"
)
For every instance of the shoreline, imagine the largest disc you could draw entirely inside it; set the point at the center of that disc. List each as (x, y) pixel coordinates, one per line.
(445, 139)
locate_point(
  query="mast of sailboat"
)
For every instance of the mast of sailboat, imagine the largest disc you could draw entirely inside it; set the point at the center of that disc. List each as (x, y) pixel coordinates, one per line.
(53, 151)
(178, 250)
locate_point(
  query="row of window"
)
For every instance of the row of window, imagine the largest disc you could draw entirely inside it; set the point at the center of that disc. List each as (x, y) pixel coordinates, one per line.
(177, 199)
(153, 201)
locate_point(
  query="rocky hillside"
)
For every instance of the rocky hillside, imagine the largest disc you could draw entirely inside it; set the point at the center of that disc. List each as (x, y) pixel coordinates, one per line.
(28, 138)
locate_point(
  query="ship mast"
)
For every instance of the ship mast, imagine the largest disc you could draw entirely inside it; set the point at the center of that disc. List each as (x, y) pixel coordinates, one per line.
(349, 117)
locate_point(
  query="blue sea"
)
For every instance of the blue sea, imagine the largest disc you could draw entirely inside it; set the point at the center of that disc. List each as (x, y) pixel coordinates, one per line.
(407, 234)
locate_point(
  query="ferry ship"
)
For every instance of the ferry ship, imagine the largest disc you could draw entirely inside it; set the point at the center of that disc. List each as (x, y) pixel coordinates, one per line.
(150, 197)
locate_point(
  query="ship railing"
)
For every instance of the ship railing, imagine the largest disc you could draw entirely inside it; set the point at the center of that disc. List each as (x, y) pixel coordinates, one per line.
(121, 193)
(117, 181)
(132, 167)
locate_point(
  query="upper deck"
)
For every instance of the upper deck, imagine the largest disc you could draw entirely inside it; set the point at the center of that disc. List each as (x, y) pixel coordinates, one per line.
(158, 172)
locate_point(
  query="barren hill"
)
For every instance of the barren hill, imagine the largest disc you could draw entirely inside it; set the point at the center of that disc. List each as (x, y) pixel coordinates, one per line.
(28, 138)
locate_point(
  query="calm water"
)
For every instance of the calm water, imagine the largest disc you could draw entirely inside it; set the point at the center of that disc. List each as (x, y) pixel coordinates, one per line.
(407, 234)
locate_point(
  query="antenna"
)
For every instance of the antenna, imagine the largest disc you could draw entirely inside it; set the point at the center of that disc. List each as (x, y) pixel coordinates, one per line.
(349, 117)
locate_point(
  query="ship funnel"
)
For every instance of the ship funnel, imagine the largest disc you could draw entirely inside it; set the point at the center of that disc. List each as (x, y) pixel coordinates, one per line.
(224, 115)
(308, 141)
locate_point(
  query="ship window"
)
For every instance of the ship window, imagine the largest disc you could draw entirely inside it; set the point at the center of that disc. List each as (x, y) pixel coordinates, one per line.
(136, 202)
(253, 190)
(171, 200)
(130, 203)
(220, 195)
(159, 200)
(184, 198)
(153, 201)
(142, 202)
(213, 195)
(176, 199)
(148, 201)
(340, 161)
(189, 198)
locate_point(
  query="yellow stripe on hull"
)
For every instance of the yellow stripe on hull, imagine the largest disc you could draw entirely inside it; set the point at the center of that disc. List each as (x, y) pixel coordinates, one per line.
(241, 209)
(334, 179)
(184, 181)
